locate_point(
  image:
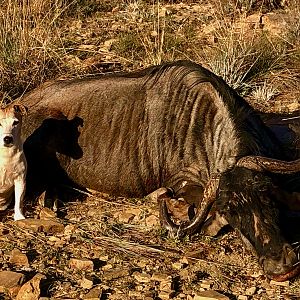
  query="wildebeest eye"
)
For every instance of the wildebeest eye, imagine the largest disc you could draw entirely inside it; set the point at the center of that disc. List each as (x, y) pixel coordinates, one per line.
(16, 122)
(250, 181)
(257, 179)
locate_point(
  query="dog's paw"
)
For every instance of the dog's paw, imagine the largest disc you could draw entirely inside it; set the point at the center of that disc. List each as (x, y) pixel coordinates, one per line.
(18, 216)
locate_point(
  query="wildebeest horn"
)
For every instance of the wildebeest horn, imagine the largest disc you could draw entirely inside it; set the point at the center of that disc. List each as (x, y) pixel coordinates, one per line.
(180, 231)
(259, 163)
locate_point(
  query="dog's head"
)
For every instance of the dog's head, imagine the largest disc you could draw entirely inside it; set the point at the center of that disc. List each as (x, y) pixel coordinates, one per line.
(10, 124)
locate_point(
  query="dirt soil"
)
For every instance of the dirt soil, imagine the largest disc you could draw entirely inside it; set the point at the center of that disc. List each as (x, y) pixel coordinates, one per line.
(115, 248)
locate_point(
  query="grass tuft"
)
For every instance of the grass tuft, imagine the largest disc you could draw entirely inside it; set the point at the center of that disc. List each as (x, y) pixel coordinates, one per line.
(28, 54)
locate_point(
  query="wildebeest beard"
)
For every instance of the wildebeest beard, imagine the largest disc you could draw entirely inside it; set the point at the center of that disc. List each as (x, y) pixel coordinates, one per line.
(245, 199)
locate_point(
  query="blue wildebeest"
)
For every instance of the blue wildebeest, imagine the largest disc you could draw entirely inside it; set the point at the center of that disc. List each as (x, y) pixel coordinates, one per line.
(176, 129)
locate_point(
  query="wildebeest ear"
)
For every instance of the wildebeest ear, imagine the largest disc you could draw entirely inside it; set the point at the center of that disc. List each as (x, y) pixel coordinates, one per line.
(21, 109)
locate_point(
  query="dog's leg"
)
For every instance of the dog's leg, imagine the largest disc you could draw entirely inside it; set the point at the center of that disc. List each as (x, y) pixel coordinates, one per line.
(19, 196)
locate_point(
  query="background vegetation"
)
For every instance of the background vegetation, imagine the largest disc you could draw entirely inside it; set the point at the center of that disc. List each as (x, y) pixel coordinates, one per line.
(254, 45)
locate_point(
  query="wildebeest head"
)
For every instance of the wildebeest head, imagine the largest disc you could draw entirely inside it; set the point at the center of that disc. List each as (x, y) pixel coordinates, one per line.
(244, 196)
(245, 199)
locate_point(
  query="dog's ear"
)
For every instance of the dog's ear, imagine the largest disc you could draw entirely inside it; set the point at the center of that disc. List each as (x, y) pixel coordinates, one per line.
(21, 109)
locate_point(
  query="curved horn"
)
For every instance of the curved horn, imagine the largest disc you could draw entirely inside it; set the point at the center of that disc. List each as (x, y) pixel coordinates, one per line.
(184, 229)
(259, 163)
(162, 195)
(165, 217)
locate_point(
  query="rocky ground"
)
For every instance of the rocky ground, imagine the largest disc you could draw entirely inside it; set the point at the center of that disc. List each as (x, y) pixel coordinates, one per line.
(106, 248)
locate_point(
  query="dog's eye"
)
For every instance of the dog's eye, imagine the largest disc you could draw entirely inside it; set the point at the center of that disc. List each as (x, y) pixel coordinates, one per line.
(15, 123)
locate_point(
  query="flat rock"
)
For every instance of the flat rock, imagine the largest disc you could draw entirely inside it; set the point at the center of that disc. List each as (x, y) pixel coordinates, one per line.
(210, 295)
(94, 293)
(161, 277)
(86, 283)
(31, 289)
(18, 258)
(152, 221)
(82, 264)
(165, 295)
(115, 273)
(250, 291)
(39, 225)
(11, 281)
(46, 214)
(141, 277)
(280, 283)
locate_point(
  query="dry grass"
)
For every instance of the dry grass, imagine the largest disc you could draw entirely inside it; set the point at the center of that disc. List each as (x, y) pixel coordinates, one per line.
(40, 40)
(29, 47)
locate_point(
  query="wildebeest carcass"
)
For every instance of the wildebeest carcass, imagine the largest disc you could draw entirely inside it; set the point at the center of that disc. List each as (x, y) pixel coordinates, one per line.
(176, 129)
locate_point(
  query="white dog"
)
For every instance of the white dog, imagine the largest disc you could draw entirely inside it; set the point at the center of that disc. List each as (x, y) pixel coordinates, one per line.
(13, 164)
